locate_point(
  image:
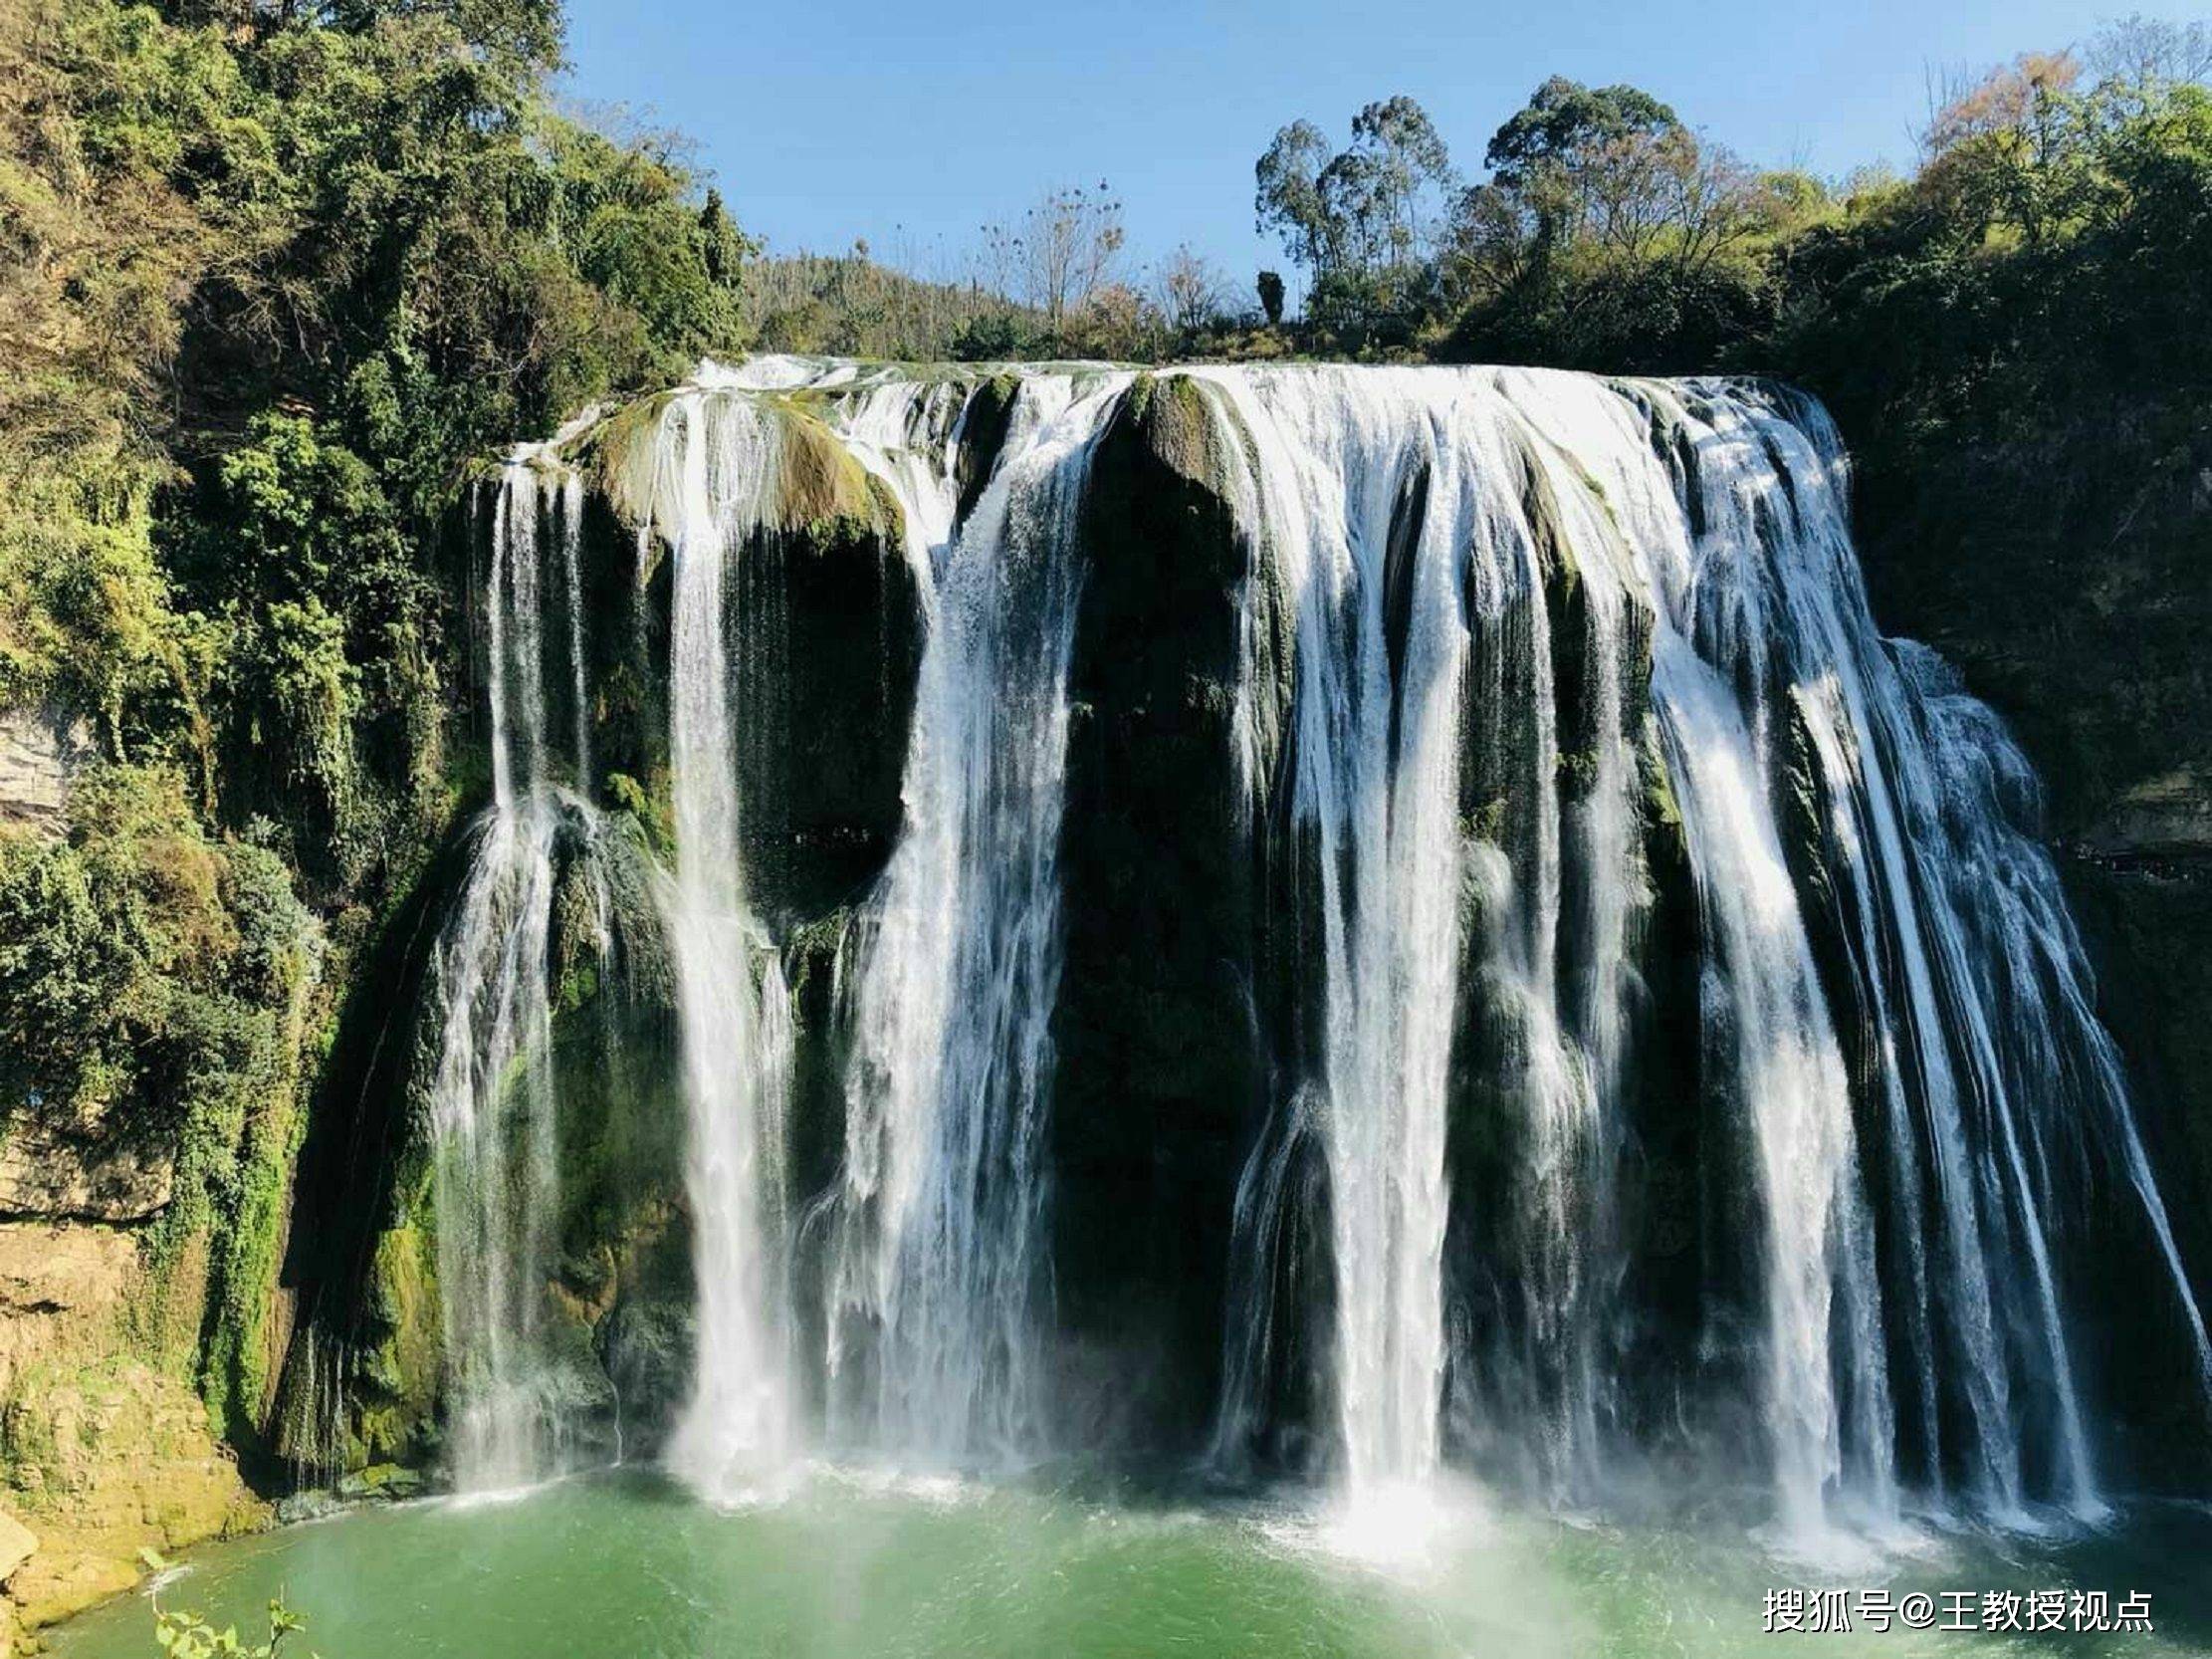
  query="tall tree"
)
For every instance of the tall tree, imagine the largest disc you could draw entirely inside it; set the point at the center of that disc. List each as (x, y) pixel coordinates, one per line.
(1189, 289)
(1271, 297)
(1289, 200)
(1569, 152)
(1362, 222)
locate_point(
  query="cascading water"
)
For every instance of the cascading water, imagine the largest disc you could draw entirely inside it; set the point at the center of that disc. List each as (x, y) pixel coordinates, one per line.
(938, 1267)
(1970, 986)
(1388, 506)
(716, 459)
(1485, 506)
(1550, 687)
(494, 1114)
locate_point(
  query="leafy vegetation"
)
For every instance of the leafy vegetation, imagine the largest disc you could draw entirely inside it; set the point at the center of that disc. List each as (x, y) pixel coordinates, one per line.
(184, 1635)
(272, 279)
(1362, 222)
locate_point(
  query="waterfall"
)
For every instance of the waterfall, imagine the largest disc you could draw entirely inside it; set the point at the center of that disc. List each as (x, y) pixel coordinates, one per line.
(1631, 910)
(938, 1267)
(1382, 815)
(1436, 530)
(1989, 1065)
(493, 1109)
(717, 469)
(1388, 505)
(570, 544)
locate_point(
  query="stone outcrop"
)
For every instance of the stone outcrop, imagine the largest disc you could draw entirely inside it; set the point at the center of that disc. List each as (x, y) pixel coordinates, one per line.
(60, 1286)
(102, 1455)
(57, 1163)
(2161, 820)
(108, 1462)
(1159, 1072)
(39, 753)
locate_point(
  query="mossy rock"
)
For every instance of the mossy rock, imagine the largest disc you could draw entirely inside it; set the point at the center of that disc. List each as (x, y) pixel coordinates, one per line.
(1159, 1079)
(386, 1482)
(983, 425)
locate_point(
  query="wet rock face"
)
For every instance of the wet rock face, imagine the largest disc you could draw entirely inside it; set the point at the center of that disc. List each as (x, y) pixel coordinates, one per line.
(2149, 932)
(830, 640)
(1158, 1081)
(826, 620)
(2062, 570)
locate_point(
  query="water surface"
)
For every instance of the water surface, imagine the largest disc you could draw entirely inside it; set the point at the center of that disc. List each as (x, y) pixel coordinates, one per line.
(850, 1567)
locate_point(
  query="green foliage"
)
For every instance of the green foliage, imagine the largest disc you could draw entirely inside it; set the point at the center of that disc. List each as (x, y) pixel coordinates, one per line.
(152, 983)
(359, 248)
(853, 303)
(272, 278)
(184, 1635)
(1567, 127)
(1361, 221)
(1271, 295)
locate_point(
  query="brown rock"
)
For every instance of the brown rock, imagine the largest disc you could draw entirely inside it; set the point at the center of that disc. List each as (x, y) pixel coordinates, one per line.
(129, 1463)
(56, 1584)
(59, 1165)
(62, 1285)
(18, 1543)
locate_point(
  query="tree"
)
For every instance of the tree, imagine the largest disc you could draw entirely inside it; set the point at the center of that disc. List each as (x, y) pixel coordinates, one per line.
(1564, 122)
(1571, 151)
(1288, 199)
(1063, 251)
(1611, 176)
(517, 35)
(1271, 296)
(1491, 244)
(1399, 165)
(2014, 147)
(1189, 289)
(2143, 52)
(723, 246)
(1361, 222)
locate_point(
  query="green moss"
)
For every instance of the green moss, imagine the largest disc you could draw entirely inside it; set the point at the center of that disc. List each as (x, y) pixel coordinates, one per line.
(823, 492)
(651, 809)
(1662, 811)
(1578, 772)
(1189, 428)
(1556, 558)
(403, 1367)
(164, 982)
(1485, 824)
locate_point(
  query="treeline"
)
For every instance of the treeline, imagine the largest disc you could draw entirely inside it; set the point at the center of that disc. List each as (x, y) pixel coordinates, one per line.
(1054, 282)
(1602, 231)
(272, 275)
(1608, 233)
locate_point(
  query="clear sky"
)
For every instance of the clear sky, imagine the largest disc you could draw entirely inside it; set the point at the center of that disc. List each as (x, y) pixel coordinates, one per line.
(912, 124)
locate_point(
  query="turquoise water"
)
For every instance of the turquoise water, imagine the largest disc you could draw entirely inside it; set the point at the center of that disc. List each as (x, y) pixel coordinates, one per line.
(852, 1567)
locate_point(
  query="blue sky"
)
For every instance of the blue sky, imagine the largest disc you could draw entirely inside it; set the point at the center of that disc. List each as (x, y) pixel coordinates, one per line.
(912, 124)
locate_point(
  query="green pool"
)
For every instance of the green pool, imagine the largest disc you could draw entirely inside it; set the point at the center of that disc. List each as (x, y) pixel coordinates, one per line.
(853, 1567)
